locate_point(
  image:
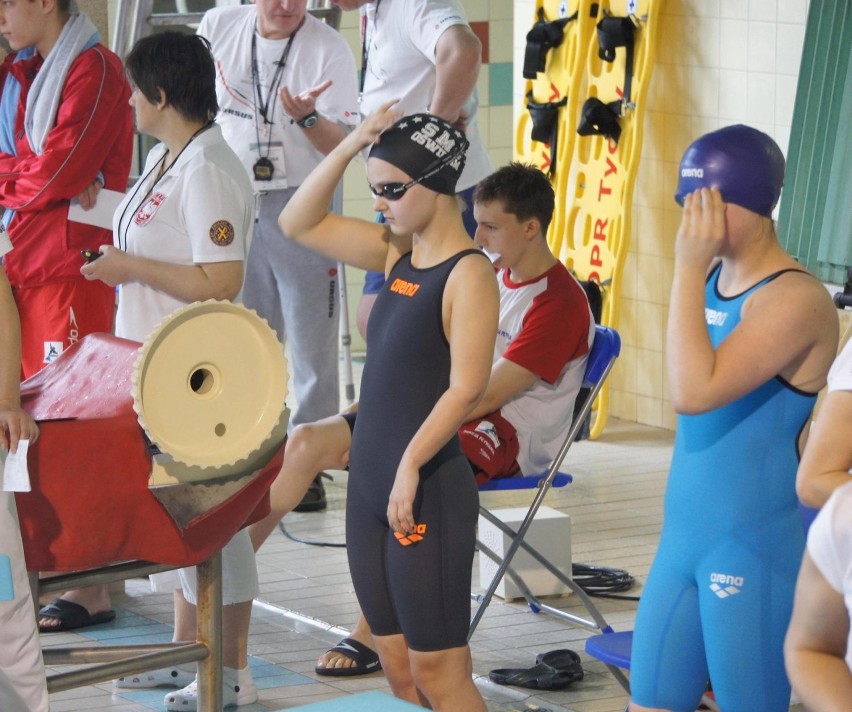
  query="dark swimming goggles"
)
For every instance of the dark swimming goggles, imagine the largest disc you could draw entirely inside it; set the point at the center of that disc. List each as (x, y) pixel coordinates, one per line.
(394, 191)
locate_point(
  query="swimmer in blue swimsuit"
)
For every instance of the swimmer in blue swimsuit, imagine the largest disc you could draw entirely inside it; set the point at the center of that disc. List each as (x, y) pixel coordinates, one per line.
(750, 338)
(412, 501)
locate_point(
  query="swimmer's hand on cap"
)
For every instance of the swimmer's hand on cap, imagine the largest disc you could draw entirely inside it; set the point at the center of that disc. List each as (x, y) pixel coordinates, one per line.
(701, 234)
(369, 130)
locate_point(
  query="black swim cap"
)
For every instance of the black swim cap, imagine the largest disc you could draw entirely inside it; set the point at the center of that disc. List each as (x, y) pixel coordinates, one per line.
(427, 148)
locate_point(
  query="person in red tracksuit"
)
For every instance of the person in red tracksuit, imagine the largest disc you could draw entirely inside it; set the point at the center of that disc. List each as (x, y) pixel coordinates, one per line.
(66, 131)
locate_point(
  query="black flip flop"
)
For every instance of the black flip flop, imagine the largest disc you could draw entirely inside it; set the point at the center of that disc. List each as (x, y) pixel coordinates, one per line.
(71, 616)
(366, 660)
(538, 677)
(564, 660)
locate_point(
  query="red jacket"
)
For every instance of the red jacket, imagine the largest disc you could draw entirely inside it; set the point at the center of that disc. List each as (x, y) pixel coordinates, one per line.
(93, 134)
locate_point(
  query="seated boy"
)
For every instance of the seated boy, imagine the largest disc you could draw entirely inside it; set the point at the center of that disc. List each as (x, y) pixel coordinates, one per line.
(544, 335)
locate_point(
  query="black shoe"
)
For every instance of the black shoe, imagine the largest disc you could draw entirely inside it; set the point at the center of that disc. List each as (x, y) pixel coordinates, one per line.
(314, 499)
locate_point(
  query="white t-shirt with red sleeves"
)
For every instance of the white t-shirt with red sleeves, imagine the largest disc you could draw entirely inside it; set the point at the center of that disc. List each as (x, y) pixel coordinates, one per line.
(545, 326)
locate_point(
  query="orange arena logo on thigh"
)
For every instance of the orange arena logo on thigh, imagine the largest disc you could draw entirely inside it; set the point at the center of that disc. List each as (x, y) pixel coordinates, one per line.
(406, 289)
(408, 539)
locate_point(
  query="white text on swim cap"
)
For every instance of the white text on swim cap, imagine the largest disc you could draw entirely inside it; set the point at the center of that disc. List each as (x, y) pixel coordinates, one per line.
(692, 173)
(439, 146)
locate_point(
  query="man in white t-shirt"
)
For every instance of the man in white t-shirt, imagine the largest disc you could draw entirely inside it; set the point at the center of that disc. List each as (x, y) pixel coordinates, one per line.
(23, 687)
(286, 86)
(423, 53)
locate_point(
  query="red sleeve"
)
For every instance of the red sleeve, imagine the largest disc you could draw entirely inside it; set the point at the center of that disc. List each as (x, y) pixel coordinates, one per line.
(79, 145)
(555, 329)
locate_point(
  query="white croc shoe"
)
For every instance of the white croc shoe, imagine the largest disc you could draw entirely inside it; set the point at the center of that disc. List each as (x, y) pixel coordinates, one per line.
(164, 677)
(238, 689)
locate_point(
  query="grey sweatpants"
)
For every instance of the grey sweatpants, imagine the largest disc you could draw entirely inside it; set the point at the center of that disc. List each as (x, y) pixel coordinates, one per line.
(296, 291)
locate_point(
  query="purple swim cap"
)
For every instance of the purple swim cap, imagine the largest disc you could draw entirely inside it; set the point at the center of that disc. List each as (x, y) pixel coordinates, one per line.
(427, 148)
(745, 165)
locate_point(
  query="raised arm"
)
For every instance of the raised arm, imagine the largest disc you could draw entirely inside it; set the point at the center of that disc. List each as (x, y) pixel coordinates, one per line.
(306, 217)
(783, 330)
(472, 300)
(458, 55)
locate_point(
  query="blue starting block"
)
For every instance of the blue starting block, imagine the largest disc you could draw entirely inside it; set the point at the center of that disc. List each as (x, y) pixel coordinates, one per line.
(363, 702)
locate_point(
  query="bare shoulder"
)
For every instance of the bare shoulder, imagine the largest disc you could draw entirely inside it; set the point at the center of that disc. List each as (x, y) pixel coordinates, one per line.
(803, 295)
(473, 274)
(799, 306)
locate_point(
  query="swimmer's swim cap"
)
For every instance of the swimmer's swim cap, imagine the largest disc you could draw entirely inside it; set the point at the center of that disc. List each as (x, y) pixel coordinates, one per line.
(745, 165)
(426, 148)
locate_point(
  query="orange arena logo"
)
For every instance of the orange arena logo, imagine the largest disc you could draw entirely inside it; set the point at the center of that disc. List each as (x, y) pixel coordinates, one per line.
(415, 536)
(406, 289)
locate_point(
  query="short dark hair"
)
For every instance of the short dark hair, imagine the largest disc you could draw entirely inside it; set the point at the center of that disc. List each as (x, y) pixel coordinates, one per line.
(523, 190)
(181, 67)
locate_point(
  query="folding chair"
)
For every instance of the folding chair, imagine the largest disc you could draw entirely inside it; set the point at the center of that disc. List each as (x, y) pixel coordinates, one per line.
(605, 349)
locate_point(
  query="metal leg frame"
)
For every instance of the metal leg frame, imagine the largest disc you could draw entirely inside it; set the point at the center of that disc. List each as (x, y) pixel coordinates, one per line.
(110, 661)
(518, 537)
(598, 622)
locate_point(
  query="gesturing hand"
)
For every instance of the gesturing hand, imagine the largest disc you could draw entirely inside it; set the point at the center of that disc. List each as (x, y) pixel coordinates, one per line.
(299, 106)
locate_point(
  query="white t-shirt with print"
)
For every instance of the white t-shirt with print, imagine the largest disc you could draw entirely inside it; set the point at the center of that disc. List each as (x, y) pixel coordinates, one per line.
(201, 210)
(401, 38)
(317, 53)
(840, 375)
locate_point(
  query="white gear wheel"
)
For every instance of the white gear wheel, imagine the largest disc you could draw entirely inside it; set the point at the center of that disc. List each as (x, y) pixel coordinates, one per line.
(209, 385)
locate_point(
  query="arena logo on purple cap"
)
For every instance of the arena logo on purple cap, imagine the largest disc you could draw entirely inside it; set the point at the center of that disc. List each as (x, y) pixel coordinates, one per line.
(692, 173)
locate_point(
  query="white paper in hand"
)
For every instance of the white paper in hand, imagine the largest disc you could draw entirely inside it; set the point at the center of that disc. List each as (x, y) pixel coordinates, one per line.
(16, 476)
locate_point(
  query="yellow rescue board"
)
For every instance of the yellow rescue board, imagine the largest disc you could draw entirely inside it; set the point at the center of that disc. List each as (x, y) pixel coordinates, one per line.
(594, 176)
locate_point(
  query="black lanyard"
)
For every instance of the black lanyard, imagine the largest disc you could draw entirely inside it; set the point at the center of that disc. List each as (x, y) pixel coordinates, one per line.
(365, 45)
(261, 105)
(157, 166)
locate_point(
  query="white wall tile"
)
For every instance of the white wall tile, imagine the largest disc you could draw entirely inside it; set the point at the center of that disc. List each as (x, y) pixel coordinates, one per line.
(762, 10)
(761, 46)
(733, 94)
(734, 9)
(761, 98)
(733, 44)
(788, 51)
(793, 11)
(478, 10)
(785, 99)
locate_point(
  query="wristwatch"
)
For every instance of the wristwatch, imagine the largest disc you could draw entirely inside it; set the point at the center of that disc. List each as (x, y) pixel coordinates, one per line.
(309, 121)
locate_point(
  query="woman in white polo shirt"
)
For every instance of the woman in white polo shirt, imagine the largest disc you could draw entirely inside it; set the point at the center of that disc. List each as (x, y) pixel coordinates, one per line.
(182, 235)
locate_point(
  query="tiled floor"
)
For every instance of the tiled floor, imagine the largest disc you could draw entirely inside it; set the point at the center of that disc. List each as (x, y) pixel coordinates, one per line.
(307, 601)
